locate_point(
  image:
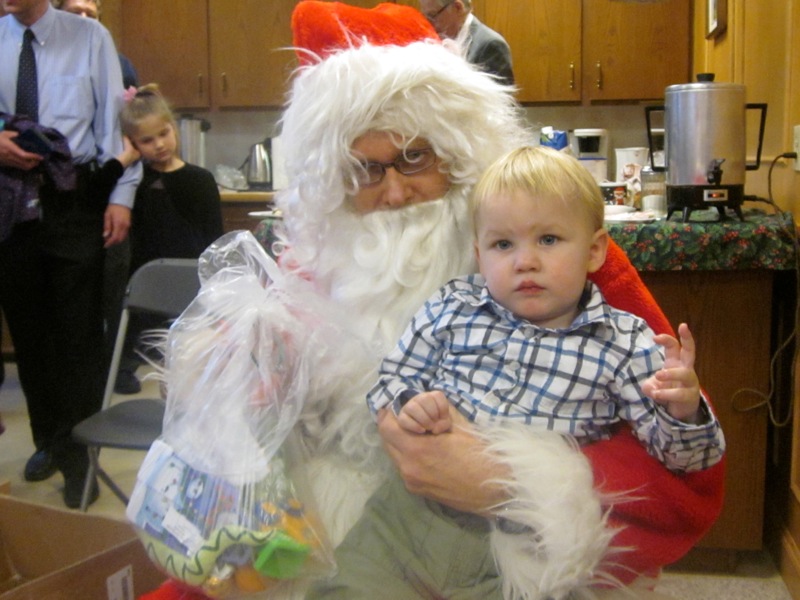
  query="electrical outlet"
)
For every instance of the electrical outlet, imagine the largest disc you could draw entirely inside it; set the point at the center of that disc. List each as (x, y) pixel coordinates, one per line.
(796, 147)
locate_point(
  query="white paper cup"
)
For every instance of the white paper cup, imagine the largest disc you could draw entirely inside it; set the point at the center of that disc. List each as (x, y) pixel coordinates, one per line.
(657, 204)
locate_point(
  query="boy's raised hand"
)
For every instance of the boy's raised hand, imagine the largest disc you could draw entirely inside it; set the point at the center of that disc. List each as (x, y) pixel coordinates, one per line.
(676, 385)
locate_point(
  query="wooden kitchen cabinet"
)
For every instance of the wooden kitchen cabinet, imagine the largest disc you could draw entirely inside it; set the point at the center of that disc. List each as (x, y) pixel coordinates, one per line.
(632, 51)
(545, 41)
(225, 53)
(249, 55)
(593, 50)
(731, 318)
(213, 53)
(167, 42)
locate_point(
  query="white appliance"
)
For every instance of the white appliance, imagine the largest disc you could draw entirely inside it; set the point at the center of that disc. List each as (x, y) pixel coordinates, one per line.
(590, 146)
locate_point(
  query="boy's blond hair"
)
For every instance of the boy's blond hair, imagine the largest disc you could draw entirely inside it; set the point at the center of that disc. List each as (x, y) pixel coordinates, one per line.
(541, 172)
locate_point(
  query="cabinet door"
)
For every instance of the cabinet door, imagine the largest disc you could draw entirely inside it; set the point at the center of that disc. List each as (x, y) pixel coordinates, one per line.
(729, 360)
(250, 56)
(633, 50)
(545, 40)
(167, 42)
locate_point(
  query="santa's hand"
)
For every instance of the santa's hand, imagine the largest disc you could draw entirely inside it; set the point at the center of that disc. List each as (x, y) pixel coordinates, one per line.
(427, 412)
(452, 468)
(676, 385)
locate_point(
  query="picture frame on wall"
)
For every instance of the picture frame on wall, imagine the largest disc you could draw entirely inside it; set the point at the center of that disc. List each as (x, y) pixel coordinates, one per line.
(716, 17)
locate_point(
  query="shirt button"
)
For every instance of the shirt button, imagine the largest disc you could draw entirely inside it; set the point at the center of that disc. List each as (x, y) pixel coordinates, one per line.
(513, 364)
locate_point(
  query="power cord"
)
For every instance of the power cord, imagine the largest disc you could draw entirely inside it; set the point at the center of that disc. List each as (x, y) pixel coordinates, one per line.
(767, 399)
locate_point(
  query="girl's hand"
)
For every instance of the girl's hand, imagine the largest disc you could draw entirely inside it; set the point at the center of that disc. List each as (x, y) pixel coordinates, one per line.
(676, 385)
(129, 154)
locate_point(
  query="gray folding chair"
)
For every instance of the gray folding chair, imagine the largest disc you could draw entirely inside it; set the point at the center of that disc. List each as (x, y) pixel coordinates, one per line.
(163, 287)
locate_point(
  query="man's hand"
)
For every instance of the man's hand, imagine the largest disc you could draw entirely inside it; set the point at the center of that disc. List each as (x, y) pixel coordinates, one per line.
(116, 223)
(427, 412)
(676, 385)
(451, 468)
(13, 156)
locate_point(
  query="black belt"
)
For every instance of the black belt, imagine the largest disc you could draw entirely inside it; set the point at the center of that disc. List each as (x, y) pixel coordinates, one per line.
(86, 168)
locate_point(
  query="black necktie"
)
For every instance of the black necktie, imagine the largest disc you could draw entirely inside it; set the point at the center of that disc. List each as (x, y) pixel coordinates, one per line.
(27, 90)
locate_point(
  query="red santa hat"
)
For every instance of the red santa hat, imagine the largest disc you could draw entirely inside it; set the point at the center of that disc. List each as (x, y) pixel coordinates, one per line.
(320, 28)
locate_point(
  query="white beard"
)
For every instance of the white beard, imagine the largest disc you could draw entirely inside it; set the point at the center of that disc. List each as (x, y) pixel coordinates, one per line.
(384, 265)
(380, 268)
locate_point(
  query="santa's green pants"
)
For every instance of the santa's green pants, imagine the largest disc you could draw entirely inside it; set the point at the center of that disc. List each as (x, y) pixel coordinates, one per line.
(406, 547)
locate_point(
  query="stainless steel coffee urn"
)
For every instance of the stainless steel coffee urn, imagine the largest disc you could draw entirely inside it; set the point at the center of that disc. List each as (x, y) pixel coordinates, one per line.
(705, 139)
(193, 139)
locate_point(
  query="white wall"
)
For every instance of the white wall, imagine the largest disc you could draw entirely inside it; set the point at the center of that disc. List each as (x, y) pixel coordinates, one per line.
(232, 133)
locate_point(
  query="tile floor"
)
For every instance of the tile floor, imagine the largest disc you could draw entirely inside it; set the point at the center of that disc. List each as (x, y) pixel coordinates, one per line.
(755, 578)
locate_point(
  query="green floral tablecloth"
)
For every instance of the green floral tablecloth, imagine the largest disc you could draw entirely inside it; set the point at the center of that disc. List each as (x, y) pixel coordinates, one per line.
(761, 241)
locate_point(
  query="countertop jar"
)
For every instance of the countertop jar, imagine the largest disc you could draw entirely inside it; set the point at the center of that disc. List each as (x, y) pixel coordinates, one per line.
(654, 191)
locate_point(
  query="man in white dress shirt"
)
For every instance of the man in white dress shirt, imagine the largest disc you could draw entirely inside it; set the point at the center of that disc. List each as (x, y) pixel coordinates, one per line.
(51, 260)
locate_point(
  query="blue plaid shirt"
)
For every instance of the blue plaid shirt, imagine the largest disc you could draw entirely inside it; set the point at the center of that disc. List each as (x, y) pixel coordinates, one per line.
(578, 380)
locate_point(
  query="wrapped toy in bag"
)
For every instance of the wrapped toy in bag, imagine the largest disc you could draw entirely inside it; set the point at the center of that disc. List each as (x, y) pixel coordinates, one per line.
(221, 501)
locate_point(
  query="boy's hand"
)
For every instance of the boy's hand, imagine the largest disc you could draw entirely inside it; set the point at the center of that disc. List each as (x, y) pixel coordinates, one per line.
(428, 412)
(676, 385)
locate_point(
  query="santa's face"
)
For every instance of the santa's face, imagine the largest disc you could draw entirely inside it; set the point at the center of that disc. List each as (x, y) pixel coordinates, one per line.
(381, 151)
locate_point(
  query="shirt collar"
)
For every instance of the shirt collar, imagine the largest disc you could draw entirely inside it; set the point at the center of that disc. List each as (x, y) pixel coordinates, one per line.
(594, 309)
(41, 28)
(44, 26)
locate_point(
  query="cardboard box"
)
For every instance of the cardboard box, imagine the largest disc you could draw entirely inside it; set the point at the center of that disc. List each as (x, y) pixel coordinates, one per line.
(52, 554)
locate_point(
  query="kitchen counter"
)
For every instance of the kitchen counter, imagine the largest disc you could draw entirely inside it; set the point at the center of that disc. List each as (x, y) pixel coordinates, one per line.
(727, 280)
(246, 196)
(237, 207)
(761, 241)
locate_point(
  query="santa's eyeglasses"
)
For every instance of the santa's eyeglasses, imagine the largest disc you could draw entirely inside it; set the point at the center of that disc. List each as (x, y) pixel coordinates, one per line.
(410, 162)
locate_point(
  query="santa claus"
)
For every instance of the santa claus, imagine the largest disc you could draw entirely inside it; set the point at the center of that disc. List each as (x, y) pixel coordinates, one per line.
(385, 132)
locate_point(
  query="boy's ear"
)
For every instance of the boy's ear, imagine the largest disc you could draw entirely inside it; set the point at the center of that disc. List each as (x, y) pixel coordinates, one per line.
(598, 250)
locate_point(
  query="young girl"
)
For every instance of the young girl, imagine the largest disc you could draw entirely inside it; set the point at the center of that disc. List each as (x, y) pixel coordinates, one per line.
(177, 210)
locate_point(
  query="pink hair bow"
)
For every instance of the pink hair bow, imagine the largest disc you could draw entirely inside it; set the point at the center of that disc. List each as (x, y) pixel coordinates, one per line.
(129, 94)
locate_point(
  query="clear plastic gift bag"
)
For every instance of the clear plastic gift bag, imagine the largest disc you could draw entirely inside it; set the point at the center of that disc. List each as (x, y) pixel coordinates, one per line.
(221, 501)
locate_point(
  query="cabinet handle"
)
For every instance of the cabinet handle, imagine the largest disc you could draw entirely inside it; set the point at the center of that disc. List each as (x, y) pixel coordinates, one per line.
(200, 85)
(225, 83)
(572, 75)
(599, 76)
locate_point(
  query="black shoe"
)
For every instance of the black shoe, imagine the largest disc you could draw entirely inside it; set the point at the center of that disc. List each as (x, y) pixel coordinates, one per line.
(127, 382)
(73, 491)
(40, 466)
